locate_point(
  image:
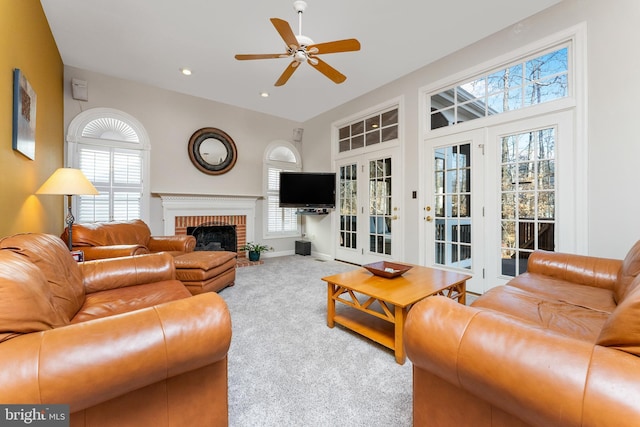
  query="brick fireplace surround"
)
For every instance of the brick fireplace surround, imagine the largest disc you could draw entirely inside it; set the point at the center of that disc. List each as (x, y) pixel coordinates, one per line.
(240, 221)
(182, 211)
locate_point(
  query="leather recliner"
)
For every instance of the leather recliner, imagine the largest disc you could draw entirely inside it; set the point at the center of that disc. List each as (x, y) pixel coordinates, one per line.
(119, 340)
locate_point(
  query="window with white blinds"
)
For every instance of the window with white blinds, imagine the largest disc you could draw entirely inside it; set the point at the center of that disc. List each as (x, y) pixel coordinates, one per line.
(117, 175)
(280, 156)
(279, 220)
(112, 148)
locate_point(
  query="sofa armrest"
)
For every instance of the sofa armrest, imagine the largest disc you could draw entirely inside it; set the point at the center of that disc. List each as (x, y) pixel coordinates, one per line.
(580, 269)
(112, 251)
(534, 374)
(88, 363)
(178, 243)
(113, 273)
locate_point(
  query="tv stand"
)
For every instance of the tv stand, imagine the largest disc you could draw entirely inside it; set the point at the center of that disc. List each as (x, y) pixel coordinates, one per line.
(313, 211)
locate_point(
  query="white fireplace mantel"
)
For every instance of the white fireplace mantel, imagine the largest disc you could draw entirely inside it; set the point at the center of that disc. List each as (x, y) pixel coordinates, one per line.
(176, 205)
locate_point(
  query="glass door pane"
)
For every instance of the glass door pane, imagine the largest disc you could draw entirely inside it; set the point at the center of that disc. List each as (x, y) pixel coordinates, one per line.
(452, 207)
(348, 197)
(380, 206)
(528, 195)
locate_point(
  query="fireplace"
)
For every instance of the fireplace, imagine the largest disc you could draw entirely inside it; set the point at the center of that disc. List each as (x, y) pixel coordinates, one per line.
(183, 211)
(214, 237)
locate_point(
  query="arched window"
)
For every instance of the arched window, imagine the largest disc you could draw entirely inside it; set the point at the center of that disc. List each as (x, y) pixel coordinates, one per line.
(112, 149)
(279, 222)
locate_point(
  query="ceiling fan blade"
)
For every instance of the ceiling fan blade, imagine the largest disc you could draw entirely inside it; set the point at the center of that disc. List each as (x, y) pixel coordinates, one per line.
(328, 70)
(347, 45)
(261, 56)
(288, 72)
(285, 31)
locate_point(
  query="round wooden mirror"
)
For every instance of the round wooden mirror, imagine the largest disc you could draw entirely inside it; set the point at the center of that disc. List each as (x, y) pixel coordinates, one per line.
(212, 151)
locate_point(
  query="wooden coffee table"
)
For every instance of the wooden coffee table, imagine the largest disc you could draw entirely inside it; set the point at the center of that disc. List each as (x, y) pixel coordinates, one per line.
(377, 307)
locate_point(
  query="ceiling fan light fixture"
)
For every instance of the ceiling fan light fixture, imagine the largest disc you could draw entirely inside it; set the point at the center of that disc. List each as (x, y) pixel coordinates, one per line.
(300, 56)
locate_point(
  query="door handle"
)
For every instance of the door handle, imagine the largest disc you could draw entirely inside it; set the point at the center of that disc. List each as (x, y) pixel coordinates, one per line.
(394, 217)
(428, 219)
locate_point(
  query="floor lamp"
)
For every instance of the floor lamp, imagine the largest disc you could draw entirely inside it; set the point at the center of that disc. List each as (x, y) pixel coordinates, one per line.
(68, 182)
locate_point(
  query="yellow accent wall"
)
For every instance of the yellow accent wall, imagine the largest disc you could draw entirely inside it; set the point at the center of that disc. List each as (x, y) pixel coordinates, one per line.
(26, 43)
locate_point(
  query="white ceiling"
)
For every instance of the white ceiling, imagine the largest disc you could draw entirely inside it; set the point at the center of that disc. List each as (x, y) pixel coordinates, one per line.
(148, 41)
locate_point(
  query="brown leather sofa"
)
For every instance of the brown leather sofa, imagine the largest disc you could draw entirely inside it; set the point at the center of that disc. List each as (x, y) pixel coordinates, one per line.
(119, 340)
(557, 346)
(124, 238)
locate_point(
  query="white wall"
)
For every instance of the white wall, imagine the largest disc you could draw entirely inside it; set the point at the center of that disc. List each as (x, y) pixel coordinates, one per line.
(613, 93)
(170, 119)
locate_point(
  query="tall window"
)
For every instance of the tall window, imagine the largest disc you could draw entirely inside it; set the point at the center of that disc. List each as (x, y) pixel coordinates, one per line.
(280, 156)
(109, 147)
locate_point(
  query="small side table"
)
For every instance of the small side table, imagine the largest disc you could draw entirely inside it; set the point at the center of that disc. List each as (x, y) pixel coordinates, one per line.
(303, 247)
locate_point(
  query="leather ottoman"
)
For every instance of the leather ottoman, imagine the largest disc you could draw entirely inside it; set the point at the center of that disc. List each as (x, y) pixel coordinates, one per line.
(206, 271)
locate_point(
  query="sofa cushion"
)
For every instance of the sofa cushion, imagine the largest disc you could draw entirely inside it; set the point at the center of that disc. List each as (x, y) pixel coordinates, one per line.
(50, 254)
(628, 272)
(25, 298)
(567, 319)
(622, 329)
(560, 290)
(130, 298)
(111, 233)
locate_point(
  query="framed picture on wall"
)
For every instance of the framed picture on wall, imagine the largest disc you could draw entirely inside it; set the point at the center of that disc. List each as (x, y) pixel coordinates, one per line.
(24, 115)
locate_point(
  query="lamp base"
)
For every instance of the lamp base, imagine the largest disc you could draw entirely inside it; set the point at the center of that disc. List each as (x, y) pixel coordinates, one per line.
(69, 220)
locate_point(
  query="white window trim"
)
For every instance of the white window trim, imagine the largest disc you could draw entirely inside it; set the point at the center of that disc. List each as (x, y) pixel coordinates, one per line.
(267, 163)
(74, 138)
(576, 101)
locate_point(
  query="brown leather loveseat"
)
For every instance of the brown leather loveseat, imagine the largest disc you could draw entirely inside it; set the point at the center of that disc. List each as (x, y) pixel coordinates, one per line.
(557, 346)
(119, 340)
(124, 238)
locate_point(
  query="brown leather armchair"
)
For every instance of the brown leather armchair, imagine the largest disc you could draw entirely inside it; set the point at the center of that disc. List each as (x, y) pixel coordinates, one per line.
(124, 238)
(119, 340)
(557, 346)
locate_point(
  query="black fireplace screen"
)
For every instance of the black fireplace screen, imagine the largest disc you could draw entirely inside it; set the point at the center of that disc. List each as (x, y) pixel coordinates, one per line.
(215, 237)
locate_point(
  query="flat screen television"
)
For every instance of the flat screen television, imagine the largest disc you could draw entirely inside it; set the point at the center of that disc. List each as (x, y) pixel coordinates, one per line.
(308, 190)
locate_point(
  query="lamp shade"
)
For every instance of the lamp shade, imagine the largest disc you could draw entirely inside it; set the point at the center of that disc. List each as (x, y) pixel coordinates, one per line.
(67, 181)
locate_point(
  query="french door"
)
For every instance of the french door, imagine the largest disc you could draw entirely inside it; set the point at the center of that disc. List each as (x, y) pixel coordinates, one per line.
(368, 207)
(453, 211)
(496, 194)
(532, 199)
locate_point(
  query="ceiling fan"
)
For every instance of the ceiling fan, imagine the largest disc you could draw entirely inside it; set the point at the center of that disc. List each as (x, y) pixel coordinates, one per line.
(302, 49)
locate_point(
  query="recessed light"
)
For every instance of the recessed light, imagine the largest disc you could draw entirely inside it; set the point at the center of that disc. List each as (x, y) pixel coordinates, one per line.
(185, 71)
(264, 94)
